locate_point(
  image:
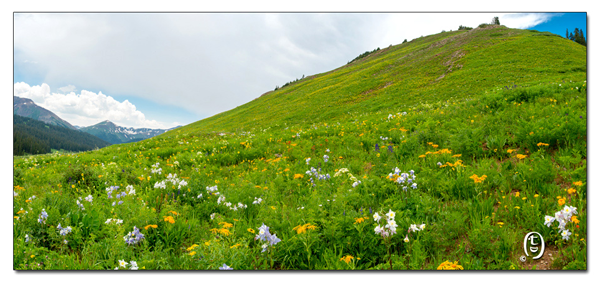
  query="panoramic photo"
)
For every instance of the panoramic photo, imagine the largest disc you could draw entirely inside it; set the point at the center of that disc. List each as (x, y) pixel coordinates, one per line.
(300, 141)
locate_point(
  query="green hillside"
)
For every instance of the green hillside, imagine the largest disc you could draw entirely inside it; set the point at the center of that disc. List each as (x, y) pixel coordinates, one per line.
(439, 153)
(458, 66)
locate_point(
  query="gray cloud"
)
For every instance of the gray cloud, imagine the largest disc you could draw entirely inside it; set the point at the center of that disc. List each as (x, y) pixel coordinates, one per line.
(208, 63)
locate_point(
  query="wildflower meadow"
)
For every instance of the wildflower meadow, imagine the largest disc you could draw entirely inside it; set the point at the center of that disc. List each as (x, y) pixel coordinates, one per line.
(339, 171)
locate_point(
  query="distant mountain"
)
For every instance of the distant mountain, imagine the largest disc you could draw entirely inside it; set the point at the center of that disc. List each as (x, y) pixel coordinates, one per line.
(31, 136)
(115, 134)
(27, 108)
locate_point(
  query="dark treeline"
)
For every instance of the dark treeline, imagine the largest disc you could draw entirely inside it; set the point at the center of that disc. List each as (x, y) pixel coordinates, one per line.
(31, 136)
(365, 54)
(289, 83)
(577, 36)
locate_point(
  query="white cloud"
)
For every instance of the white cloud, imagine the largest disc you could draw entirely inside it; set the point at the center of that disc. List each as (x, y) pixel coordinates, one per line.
(525, 21)
(86, 108)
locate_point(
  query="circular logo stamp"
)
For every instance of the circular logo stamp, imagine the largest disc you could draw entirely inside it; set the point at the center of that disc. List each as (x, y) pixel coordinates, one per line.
(534, 244)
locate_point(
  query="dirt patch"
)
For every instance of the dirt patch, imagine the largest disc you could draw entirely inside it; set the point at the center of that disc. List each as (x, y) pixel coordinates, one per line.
(454, 57)
(450, 63)
(544, 263)
(484, 146)
(489, 27)
(368, 167)
(365, 93)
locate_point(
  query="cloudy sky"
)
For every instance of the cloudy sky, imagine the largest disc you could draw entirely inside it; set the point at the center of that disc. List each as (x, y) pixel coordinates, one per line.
(160, 70)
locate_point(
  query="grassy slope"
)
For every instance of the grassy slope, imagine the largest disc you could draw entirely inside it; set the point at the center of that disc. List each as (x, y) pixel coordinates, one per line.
(402, 75)
(470, 112)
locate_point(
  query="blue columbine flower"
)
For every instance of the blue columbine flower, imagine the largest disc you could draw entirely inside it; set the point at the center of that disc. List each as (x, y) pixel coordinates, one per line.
(265, 235)
(225, 267)
(134, 237)
(43, 216)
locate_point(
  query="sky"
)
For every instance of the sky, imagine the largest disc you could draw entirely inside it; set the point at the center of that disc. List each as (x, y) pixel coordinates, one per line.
(160, 70)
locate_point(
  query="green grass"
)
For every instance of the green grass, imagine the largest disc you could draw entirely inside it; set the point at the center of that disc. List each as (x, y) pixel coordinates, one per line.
(507, 90)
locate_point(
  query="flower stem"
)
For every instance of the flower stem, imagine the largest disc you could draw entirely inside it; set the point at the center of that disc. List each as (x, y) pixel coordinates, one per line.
(390, 255)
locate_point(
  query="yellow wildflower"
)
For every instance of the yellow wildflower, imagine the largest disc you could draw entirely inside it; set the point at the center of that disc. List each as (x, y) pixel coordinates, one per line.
(477, 179)
(303, 228)
(300, 229)
(561, 201)
(447, 265)
(192, 247)
(224, 232)
(571, 190)
(169, 219)
(251, 230)
(151, 226)
(578, 183)
(347, 258)
(226, 225)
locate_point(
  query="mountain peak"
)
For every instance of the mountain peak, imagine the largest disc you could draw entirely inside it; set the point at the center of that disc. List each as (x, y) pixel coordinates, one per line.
(27, 108)
(107, 122)
(114, 134)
